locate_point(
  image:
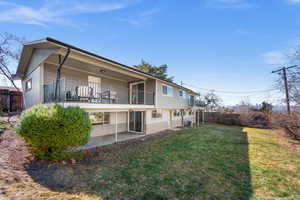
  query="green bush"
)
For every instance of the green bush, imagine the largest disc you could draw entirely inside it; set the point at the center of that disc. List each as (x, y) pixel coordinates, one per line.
(49, 132)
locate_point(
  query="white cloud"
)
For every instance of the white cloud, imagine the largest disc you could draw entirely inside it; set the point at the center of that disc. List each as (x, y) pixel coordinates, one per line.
(150, 12)
(55, 11)
(229, 4)
(294, 1)
(274, 58)
(141, 18)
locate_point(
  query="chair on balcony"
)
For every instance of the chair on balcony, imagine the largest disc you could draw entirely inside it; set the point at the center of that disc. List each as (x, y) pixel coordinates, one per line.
(81, 94)
(108, 96)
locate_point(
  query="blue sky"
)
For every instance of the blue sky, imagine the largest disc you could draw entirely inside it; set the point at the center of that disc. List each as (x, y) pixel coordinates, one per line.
(229, 45)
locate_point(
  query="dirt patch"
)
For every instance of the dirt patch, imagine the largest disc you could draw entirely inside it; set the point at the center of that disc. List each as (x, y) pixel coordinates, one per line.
(14, 153)
(285, 139)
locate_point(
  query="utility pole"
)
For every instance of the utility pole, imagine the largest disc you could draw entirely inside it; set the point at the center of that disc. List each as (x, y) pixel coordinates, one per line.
(287, 96)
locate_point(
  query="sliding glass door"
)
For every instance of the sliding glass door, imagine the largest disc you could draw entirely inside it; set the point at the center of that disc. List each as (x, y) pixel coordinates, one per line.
(136, 121)
(137, 93)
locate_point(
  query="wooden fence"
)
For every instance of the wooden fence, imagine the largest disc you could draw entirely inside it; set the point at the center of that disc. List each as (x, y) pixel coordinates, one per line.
(217, 117)
(11, 101)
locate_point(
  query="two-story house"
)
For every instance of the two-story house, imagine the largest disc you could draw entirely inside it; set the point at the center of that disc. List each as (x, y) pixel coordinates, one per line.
(118, 98)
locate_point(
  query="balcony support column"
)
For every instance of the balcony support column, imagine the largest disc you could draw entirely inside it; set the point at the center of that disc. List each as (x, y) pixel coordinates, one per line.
(58, 75)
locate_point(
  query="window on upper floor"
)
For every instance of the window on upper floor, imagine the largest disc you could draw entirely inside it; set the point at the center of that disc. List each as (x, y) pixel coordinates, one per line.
(28, 85)
(167, 90)
(183, 94)
(180, 93)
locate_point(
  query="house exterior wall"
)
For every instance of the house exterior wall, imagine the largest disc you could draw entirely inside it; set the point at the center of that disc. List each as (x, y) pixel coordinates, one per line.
(43, 73)
(174, 101)
(154, 125)
(166, 121)
(176, 121)
(33, 96)
(50, 74)
(37, 58)
(35, 71)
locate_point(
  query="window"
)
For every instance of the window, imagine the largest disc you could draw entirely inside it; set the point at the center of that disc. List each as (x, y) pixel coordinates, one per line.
(180, 93)
(191, 112)
(176, 113)
(183, 113)
(183, 94)
(100, 118)
(28, 85)
(167, 90)
(156, 114)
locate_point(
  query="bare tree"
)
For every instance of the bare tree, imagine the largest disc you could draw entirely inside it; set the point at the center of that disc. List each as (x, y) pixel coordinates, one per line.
(10, 50)
(211, 101)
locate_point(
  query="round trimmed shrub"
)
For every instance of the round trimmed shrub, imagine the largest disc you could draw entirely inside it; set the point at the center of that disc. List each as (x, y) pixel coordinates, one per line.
(49, 132)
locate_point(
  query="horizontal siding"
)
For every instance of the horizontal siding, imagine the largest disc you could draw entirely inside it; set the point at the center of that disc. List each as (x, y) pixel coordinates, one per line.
(174, 101)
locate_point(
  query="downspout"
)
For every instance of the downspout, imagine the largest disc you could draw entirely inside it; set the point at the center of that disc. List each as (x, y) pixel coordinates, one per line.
(57, 84)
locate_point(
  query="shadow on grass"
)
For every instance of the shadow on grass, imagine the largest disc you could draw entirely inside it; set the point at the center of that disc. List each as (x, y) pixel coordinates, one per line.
(209, 162)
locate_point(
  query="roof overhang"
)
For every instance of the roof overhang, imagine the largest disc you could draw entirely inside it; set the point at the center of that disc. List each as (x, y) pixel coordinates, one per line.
(76, 52)
(44, 48)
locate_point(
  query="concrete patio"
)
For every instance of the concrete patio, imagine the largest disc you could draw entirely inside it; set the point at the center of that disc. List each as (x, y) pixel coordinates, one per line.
(110, 139)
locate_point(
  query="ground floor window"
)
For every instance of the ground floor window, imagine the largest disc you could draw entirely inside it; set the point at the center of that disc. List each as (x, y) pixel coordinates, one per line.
(176, 113)
(156, 114)
(100, 117)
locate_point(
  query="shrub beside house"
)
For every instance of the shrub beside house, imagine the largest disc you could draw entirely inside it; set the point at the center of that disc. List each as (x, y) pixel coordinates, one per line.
(51, 132)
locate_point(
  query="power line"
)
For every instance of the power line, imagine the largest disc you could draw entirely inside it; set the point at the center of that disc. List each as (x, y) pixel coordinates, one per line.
(230, 92)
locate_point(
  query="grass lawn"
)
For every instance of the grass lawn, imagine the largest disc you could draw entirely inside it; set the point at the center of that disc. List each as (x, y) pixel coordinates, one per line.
(208, 162)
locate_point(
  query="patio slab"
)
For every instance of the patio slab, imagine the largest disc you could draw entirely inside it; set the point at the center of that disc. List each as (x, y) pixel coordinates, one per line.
(110, 139)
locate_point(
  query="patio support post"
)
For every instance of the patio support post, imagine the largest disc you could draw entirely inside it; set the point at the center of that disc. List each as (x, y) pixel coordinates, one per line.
(116, 133)
(143, 122)
(128, 122)
(203, 117)
(57, 84)
(198, 117)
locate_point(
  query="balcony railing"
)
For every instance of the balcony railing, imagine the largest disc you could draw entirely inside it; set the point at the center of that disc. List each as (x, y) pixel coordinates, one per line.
(89, 92)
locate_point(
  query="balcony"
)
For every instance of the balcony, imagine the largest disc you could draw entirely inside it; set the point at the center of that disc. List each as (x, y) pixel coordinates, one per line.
(90, 92)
